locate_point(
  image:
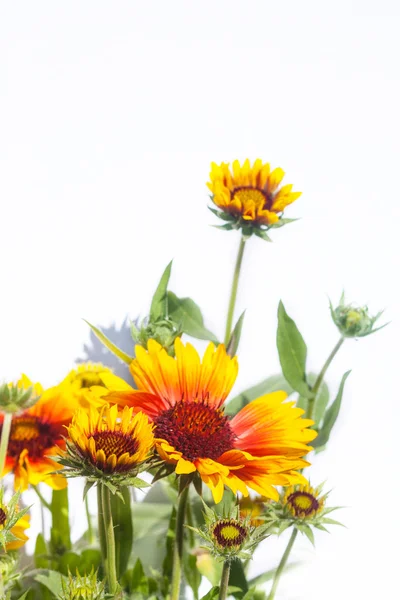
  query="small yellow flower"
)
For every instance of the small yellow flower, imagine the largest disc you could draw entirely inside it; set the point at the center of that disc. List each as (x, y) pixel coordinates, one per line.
(250, 194)
(303, 501)
(253, 509)
(112, 441)
(229, 533)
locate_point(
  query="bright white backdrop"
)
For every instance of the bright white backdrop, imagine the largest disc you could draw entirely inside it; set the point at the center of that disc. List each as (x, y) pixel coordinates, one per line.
(110, 116)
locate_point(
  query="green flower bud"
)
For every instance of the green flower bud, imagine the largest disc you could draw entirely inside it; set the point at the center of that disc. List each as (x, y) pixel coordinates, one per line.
(353, 321)
(82, 587)
(18, 396)
(162, 331)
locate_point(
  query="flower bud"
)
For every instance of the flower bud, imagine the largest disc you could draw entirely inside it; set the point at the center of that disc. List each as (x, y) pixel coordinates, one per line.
(163, 331)
(353, 321)
(82, 587)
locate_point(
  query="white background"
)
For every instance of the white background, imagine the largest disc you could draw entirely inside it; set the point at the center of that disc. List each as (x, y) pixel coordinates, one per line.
(110, 116)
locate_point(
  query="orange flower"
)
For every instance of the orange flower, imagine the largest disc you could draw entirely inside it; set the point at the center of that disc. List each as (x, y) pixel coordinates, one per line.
(36, 434)
(260, 447)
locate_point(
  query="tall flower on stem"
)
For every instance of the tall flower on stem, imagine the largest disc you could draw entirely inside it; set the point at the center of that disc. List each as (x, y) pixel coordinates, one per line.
(108, 447)
(262, 446)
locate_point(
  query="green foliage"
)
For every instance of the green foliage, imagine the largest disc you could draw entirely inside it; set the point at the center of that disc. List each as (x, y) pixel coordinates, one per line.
(123, 529)
(41, 554)
(233, 343)
(159, 303)
(321, 400)
(271, 384)
(292, 353)
(60, 540)
(110, 345)
(330, 417)
(14, 398)
(187, 315)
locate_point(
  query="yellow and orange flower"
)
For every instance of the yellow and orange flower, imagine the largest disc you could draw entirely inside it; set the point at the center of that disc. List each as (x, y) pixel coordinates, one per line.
(250, 193)
(303, 501)
(112, 441)
(37, 434)
(80, 381)
(262, 446)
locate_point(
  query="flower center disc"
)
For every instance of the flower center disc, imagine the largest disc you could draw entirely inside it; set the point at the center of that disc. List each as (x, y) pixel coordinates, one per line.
(303, 503)
(229, 533)
(245, 195)
(32, 434)
(87, 379)
(115, 442)
(195, 429)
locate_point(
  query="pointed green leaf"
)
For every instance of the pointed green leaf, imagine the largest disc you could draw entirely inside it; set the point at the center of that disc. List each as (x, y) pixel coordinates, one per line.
(41, 553)
(262, 234)
(235, 336)
(292, 353)
(159, 303)
(110, 345)
(123, 529)
(212, 594)
(185, 313)
(330, 416)
(237, 578)
(271, 384)
(52, 581)
(321, 400)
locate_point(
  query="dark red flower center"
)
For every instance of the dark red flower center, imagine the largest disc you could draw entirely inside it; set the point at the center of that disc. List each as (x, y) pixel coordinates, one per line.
(32, 434)
(115, 442)
(3, 516)
(302, 503)
(195, 429)
(229, 533)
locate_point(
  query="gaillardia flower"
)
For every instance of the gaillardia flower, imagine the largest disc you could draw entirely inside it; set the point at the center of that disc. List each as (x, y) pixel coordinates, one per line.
(80, 380)
(303, 502)
(260, 447)
(108, 444)
(230, 536)
(250, 195)
(302, 507)
(36, 435)
(354, 321)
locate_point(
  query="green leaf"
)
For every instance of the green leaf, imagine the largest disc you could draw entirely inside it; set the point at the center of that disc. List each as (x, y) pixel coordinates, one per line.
(235, 336)
(60, 530)
(292, 353)
(237, 578)
(123, 529)
(52, 581)
(269, 575)
(23, 597)
(110, 345)
(186, 313)
(138, 581)
(330, 416)
(159, 303)
(41, 553)
(226, 227)
(262, 234)
(271, 384)
(254, 594)
(282, 222)
(212, 594)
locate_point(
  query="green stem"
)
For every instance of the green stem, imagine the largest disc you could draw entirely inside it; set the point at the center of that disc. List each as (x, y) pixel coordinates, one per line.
(282, 565)
(111, 569)
(320, 378)
(235, 283)
(5, 434)
(178, 545)
(223, 587)
(41, 498)
(90, 536)
(100, 521)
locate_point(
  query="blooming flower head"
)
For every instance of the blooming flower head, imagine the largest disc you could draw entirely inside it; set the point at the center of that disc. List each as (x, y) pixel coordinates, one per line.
(80, 380)
(260, 447)
(37, 434)
(107, 442)
(250, 196)
(13, 524)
